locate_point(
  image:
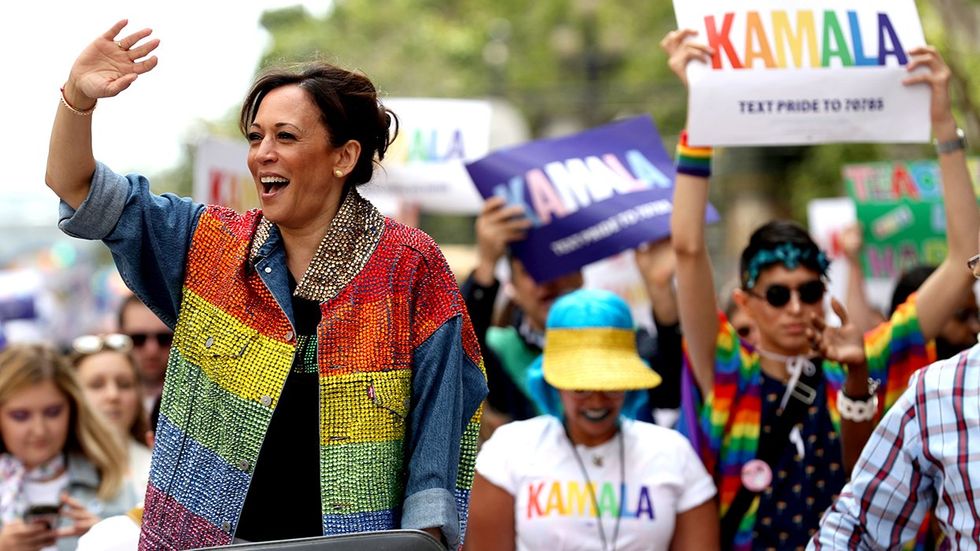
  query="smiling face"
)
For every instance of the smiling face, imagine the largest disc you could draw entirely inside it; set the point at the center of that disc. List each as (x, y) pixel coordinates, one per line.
(34, 423)
(110, 385)
(591, 417)
(781, 329)
(293, 163)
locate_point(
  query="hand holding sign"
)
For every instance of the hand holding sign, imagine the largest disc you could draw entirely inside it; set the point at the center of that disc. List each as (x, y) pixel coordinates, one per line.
(681, 51)
(497, 226)
(937, 77)
(783, 72)
(586, 196)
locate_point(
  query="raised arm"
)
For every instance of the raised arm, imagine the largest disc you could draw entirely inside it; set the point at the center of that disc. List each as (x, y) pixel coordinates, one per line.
(695, 285)
(940, 294)
(105, 67)
(862, 313)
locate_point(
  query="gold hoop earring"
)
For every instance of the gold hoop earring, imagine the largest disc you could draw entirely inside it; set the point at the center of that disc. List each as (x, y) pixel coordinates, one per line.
(338, 173)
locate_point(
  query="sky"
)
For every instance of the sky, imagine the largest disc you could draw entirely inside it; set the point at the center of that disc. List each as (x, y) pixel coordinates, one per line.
(207, 57)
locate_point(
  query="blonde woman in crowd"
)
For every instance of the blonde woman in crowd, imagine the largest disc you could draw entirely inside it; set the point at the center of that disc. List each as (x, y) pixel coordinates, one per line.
(109, 375)
(61, 468)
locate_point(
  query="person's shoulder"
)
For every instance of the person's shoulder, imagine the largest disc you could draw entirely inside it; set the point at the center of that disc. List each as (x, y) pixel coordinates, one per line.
(242, 223)
(949, 375)
(529, 429)
(397, 233)
(652, 432)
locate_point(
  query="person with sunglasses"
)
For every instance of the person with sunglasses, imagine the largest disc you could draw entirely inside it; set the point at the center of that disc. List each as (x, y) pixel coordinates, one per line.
(151, 340)
(772, 418)
(107, 371)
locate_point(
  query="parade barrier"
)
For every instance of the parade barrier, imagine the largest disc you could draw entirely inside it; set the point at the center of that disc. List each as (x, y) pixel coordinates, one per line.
(388, 540)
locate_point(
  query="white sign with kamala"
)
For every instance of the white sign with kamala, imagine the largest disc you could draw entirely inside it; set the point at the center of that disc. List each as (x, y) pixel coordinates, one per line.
(802, 72)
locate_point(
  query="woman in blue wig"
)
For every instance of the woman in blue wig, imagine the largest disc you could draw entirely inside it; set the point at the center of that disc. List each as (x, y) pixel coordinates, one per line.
(585, 475)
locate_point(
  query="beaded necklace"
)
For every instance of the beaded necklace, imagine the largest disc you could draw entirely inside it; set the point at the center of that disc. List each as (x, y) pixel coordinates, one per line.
(591, 488)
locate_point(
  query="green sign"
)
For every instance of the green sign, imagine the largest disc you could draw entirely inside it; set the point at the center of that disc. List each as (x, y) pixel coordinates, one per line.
(899, 205)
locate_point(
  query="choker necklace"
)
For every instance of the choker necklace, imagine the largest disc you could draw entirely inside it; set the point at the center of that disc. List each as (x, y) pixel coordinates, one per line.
(591, 487)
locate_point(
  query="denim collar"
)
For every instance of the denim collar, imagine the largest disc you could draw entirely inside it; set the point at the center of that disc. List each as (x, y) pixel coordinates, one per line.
(352, 237)
(81, 472)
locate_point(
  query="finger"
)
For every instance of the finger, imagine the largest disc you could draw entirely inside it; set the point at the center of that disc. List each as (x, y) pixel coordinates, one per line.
(143, 50)
(140, 67)
(130, 40)
(492, 204)
(114, 30)
(509, 212)
(703, 50)
(676, 38)
(839, 310)
(72, 503)
(817, 322)
(917, 61)
(924, 51)
(917, 79)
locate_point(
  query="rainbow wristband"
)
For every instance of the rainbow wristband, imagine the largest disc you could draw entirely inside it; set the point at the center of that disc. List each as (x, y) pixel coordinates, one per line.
(693, 161)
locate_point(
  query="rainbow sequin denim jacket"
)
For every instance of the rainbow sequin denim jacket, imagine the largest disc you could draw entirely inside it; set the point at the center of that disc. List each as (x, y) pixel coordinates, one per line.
(401, 378)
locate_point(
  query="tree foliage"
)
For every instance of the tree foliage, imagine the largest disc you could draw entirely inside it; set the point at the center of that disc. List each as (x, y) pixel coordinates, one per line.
(571, 64)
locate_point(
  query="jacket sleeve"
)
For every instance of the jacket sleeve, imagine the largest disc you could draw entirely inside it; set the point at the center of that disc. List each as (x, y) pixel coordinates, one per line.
(149, 235)
(448, 386)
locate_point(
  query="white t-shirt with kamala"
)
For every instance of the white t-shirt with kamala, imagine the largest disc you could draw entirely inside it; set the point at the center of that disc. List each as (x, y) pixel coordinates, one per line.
(553, 507)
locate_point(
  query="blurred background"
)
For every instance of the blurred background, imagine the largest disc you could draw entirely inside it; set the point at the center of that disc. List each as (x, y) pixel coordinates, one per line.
(547, 68)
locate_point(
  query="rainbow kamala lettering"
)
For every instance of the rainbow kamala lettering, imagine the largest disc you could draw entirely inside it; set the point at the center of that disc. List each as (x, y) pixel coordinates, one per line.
(572, 498)
(816, 40)
(561, 188)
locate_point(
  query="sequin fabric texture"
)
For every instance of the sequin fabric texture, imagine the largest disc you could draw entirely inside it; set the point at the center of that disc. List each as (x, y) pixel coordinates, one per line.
(383, 290)
(731, 419)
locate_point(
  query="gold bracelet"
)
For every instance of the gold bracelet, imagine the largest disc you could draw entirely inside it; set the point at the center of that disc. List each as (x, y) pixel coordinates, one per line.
(74, 110)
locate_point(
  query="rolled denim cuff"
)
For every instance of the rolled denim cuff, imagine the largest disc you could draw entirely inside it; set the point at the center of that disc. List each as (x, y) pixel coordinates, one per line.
(433, 508)
(99, 213)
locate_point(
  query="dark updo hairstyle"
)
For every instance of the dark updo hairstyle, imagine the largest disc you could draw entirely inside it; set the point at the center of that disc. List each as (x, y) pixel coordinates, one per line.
(780, 242)
(349, 109)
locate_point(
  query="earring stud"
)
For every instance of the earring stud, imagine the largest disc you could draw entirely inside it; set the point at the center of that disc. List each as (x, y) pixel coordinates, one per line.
(338, 173)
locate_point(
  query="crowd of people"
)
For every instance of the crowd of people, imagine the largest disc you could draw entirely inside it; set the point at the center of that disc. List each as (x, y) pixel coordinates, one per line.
(320, 354)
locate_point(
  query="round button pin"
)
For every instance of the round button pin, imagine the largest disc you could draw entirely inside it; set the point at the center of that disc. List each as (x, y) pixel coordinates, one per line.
(756, 475)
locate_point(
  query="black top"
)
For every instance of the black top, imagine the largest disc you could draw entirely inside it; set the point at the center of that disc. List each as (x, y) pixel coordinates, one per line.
(283, 500)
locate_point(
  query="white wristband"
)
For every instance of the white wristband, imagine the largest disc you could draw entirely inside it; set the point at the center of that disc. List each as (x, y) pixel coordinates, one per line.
(857, 411)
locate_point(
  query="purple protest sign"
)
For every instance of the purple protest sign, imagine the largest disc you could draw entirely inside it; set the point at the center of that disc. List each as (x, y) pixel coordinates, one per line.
(590, 195)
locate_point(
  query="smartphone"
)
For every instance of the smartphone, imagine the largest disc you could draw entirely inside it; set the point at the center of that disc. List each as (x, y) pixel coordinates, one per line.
(48, 514)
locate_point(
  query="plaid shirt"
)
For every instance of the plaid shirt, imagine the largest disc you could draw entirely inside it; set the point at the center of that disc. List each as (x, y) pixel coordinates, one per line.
(924, 454)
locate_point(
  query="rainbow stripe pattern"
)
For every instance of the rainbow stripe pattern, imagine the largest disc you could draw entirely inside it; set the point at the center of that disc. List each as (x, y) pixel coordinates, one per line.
(233, 349)
(730, 420)
(692, 160)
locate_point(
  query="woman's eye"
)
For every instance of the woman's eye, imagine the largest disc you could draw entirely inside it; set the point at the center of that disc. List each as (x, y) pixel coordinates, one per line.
(254, 137)
(19, 415)
(285, 136)
(53, 411)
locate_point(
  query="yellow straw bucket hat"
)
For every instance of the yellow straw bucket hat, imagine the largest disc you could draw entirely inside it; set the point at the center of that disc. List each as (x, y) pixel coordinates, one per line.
(590, 344)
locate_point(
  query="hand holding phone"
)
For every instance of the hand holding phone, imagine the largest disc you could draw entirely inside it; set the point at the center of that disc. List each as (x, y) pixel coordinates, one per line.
(21, 535)
(46, 514)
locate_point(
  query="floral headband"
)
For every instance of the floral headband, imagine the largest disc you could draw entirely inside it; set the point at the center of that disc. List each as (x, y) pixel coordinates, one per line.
(787, 254)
